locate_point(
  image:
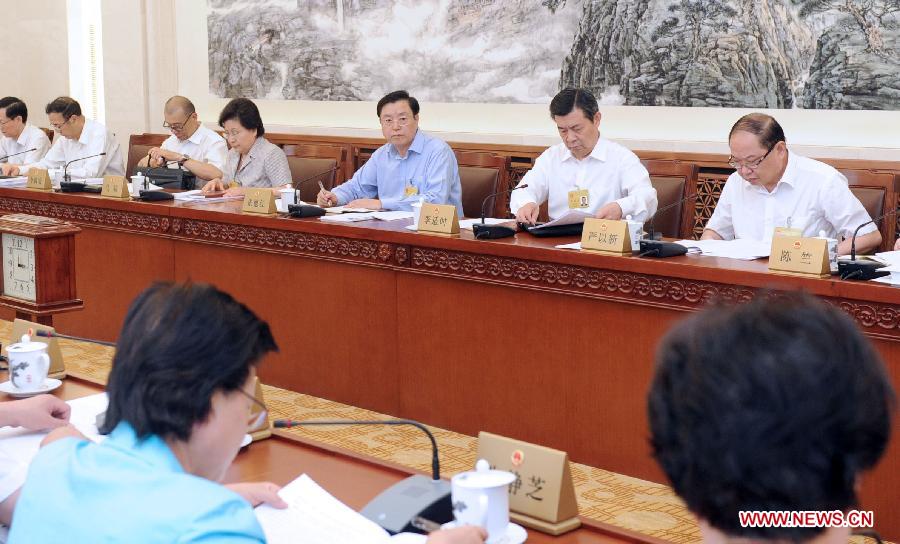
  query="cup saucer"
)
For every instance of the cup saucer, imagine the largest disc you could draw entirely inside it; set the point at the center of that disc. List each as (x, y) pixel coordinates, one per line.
(49, 385)
(515, 534)
(246, 441)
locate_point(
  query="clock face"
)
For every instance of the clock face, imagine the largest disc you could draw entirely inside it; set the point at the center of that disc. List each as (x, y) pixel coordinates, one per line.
(18, 267)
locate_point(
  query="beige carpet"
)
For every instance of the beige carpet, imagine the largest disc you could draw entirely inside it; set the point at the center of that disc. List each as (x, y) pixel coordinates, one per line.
(604, 496)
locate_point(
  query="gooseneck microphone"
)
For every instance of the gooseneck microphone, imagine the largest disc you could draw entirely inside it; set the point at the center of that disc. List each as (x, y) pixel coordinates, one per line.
(54, 334)
(650, 246)
(862, 270)
(17, 154)
(308, 210)
(66, 166)
(492, 232)
(400, 507)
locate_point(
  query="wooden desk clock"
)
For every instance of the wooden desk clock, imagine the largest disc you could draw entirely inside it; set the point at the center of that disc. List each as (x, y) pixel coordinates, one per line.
(38, 267)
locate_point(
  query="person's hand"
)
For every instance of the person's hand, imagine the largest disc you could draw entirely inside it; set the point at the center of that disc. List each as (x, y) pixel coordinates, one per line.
(326, 199)
(158, 156)
(235, 191)
(367, 203)
(897, 245)
(609, 211)
(458, 535)
(37, 413)
(257, 493)
(69, 431)
(213, 186)
(9, 169)
(528, 213)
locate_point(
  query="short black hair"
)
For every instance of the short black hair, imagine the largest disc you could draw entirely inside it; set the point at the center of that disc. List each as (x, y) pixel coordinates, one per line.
(763, 126)
(14, 108)
(775, 405)
(246, 113)
(568, 99)
(65, 106)
(397, 96)
(179, 345)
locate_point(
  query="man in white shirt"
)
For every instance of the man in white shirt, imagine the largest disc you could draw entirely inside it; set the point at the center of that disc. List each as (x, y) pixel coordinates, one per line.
(585, 171)
(772, 187)
(21, 143)
(191, 146)
(79, 137)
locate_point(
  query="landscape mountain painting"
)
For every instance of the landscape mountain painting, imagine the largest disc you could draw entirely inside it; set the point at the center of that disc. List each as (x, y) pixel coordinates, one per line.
(816, 54)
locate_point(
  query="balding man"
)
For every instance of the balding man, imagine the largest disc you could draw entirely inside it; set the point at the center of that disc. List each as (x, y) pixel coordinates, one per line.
(191, 146)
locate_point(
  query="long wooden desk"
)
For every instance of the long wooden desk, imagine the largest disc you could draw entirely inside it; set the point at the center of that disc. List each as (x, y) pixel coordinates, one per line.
(510, 336)
(353, 480)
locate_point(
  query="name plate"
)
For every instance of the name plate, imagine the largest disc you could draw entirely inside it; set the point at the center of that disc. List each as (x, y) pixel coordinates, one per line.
(542, 496)
(115, 187)
(264, 429)
(606, 236)
(259, 201)
(800, 256)
(438, 219)
(39, 180)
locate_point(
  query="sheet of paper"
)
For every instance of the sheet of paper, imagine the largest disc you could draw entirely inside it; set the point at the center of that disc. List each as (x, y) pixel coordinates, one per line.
(348, 218)
(746, 250)
(347, 209)
(317, 517)
(20, 181)
(393, 216)
(572, 217)
(891, 258)
(467, 223)
(574, 245)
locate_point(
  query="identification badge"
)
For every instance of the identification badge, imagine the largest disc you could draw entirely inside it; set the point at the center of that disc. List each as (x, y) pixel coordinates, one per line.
(579, 199)
(410, 190)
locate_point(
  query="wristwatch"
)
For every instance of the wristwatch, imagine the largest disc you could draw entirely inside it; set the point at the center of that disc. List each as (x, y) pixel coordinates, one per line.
(184, 159)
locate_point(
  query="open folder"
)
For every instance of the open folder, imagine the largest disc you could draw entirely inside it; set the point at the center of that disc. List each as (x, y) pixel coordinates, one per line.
(314, 516)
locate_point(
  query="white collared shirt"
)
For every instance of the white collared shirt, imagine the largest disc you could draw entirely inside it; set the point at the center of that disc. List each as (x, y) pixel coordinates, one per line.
(204, 145)
(811, 196)
(95, 138)
(611, 173)
(31, 138)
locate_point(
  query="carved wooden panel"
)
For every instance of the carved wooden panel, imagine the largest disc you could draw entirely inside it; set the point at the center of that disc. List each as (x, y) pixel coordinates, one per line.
(709, 189)
(87, 215)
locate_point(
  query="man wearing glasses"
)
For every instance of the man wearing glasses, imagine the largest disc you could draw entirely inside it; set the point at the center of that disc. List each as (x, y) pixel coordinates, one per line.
(80, 137)
(21, 143)
(191, 146)
(773, 188)
(410, 166)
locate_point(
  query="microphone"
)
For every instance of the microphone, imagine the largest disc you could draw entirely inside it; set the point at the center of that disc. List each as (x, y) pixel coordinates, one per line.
(54, 334)
(66, 166)
(492, 232)
(307, 210)
(398, 508)
(17, 154)
(650, 246)
(862, 270)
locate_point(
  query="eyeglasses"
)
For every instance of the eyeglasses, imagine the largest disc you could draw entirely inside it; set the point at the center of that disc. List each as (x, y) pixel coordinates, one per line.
(402, 121)
(58, 126)
(177, 127)
(3, 123)
(255, 419)
(753, 165)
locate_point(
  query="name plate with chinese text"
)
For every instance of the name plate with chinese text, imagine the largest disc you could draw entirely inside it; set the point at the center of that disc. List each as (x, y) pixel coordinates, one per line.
(606, 235)
(259, 201)
(39, 180)
(800, 256)
(264, 429)
(542, 496)
(115, 187)
(438, 219)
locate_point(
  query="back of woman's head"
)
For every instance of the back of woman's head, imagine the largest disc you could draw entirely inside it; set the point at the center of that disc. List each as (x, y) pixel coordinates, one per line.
(180, 344)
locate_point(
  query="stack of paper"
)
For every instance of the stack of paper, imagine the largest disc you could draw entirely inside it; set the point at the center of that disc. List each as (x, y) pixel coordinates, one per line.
(14, 182)
(746, 250)
(313, 516)
(199, 197)
(572, 217)
(346, 209)
(467, 223)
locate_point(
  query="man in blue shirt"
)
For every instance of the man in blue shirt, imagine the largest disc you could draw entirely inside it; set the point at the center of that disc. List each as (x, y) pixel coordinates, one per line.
(409, 167)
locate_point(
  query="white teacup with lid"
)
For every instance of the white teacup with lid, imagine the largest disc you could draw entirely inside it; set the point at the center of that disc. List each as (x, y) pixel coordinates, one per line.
(481, 497)
(28, 364)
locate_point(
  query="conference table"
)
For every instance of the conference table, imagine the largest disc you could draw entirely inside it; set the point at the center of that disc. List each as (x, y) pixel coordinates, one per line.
(511, 336)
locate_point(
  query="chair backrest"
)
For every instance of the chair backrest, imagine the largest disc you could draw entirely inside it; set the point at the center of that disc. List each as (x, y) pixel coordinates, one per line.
(138, 147)
(480, 175)
(673, 181)
(49, 132)
(307, 172)
(877, 193)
